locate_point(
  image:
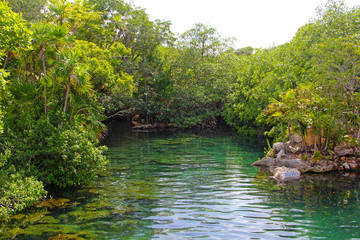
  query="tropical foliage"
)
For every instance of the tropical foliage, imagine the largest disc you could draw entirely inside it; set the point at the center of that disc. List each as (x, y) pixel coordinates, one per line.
(71, 64)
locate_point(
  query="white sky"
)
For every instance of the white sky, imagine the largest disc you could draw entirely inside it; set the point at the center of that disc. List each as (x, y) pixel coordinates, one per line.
(256, 23)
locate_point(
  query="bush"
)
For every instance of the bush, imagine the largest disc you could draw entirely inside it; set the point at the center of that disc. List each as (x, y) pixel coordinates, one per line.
(62, 156)
(74, 159)
(17, 193)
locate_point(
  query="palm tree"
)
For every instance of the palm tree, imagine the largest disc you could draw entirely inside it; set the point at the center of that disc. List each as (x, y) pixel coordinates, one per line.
(48, 38)
(73, 74)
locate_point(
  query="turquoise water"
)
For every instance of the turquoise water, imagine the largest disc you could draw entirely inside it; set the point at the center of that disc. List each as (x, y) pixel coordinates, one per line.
(196, 186)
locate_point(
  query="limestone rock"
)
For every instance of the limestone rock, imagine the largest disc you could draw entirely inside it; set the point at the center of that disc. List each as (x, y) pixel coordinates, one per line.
(268, 164)
(353, 165)
(281, 154)
(285, 174)
(346, 166)
(294, 149)
(278, 146)
(343, 149)
(297, 138)
(265, 162)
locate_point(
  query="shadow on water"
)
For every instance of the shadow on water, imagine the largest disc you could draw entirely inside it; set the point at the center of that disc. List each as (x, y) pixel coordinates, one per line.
(190, 185)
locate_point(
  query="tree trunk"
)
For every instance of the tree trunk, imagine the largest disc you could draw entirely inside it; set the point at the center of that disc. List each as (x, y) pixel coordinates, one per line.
(283, 134)
(66, 98)
(6, 59)
(326, 143)
(289, 132)
(44, 71)
(315, 148)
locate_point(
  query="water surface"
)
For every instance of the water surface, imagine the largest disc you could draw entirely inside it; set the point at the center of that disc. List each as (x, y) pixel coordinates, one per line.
(197, 186)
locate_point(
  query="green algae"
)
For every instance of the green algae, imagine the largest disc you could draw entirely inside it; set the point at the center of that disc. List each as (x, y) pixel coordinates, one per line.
(66, 237)
(33, 218)
(174, 141)
(169, 160)
(52, 203)
(81, 216)
(97, 204)
(40, 229)
(49, 220)
(18, 217)
(11, 233)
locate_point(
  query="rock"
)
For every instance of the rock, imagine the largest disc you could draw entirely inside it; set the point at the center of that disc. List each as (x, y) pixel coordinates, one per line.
(268, 164)
(321, 166)
(346, 166)
(343, 149)
(286, 174)
(265, 162)
(297, 138)
(281, 154)
(278, 146)
(353, 165)
(294, 149)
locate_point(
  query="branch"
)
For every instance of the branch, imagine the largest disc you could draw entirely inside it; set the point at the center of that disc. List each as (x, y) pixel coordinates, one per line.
(119, 113)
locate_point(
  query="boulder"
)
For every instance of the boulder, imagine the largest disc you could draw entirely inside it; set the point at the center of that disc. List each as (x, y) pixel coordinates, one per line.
(278, 146)
(343, 149)
(297, 138)
(286, 174)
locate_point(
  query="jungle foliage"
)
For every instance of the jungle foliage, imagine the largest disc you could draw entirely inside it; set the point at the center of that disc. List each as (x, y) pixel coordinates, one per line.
(68, 65)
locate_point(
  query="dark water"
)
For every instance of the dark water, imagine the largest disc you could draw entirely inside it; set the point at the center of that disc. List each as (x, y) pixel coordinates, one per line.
(195, 186)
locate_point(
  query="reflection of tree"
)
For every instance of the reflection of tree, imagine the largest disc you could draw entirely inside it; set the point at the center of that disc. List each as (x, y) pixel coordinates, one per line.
(319, 205)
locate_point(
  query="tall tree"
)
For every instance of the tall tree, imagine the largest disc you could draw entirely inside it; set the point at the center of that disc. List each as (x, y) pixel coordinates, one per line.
(14, 34)
(30, 10)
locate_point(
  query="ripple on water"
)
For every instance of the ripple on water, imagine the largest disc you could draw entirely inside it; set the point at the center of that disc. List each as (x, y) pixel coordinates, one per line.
(198, 187)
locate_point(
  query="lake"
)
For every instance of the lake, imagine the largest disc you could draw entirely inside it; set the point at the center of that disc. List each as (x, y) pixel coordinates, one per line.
(193, 186)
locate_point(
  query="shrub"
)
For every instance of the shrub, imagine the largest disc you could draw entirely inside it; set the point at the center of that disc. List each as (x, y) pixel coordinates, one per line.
(17, 193)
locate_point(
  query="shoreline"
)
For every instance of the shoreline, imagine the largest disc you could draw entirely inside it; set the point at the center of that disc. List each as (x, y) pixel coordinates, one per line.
(290, 165)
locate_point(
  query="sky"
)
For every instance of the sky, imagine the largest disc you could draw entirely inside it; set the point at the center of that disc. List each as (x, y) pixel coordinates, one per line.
(256, 23)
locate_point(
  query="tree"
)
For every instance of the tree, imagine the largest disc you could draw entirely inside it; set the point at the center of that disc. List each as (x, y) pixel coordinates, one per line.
(14, 35)
(203, 39)
(30, 10)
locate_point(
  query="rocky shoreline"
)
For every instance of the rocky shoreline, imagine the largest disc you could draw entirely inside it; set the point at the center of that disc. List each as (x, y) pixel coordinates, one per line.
(290, 161)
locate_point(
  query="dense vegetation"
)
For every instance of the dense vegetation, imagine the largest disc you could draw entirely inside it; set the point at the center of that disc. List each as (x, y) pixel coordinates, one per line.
(67, 66)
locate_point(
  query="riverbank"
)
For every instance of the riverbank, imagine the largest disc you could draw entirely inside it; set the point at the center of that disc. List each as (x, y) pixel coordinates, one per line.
(289, 161)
